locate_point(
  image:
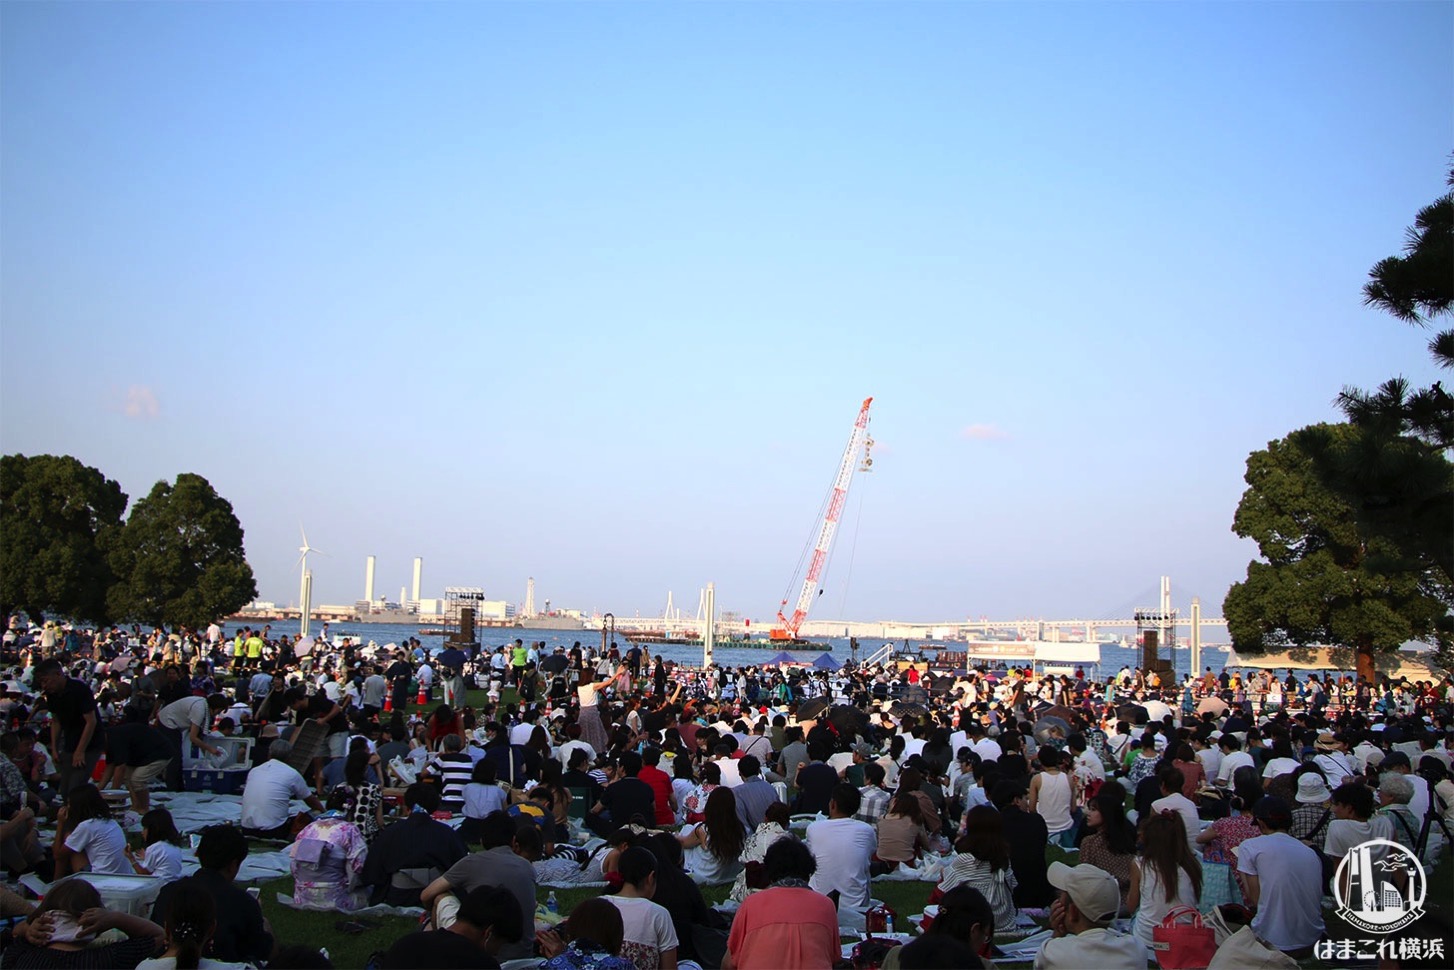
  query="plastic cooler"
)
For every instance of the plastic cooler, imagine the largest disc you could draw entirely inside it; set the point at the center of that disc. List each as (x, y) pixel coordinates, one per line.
(219, 781)
(237, 753)
(124, 894)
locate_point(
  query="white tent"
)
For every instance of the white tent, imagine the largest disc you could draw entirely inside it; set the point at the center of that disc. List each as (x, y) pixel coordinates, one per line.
(1401, 663)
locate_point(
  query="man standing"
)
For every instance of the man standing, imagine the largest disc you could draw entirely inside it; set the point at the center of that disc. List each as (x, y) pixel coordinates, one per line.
(518, 658)
(843, 847)
(374, 686)
(399, 672)
(76, 736)
(192, 716)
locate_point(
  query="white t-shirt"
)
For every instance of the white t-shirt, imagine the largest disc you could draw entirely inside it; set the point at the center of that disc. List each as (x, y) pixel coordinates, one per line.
(731, 776)
(1211, 759)
(1344, 834)
(1280, 766)
(206, 963)
(843, 848)
(1154, 904)
(646, 931)
(1290, 876)
(181, 715)
(265, 799)
(104, 844)
(481, 799)
(1231, 761)
(164, 860)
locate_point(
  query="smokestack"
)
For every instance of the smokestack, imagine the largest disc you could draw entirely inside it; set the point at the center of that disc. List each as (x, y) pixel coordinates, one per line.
(418, 576)
(530, 596)
(369, 580)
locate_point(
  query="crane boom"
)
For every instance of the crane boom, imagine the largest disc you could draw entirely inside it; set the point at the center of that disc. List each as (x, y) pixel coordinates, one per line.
(856, 442)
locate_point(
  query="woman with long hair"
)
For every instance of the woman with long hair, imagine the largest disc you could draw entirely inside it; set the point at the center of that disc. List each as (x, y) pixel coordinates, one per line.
(714, 847)
(911, 781)
(68, 921)
(443, 721)
(87, 837)
(363, 796)
(1111, 844)
(1193, 775)
(901, 832)
(982, 861)
(1165, 875)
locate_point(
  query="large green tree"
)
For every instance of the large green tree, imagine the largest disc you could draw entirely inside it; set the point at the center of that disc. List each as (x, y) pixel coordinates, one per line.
(1416, 287)
(180, 558)
(58, 520)
(1324, 577)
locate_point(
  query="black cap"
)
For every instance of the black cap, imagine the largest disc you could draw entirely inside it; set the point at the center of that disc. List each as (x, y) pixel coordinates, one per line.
(1395, 759)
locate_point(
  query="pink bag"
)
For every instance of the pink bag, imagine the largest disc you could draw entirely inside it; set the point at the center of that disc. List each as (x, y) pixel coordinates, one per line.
(1183, 946)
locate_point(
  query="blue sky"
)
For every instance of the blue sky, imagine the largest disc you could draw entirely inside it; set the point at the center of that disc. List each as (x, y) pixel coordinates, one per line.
(591, 292)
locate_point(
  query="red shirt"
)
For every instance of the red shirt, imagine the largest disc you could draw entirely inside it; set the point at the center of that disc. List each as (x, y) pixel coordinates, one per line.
(787, 929)
(660, 783)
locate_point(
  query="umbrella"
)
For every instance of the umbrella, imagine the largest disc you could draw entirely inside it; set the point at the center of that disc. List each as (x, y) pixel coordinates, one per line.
(453, 658)
(555, 663)
(1044, 726)
(904, 708)
(1156, 710)
(848, 719)
(304, 646)
(1214, 704)
(1134, 713)
(826, 662)
(810, 709)
(1059, 711)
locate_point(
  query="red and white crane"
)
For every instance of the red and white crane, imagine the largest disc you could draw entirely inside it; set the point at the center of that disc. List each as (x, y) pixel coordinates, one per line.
(858, 441)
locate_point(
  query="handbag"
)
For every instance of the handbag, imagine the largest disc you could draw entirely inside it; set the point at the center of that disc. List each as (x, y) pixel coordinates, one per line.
(1244, 951)
(1183, 946)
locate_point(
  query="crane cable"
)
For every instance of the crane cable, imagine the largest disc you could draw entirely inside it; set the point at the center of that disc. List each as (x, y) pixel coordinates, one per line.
(852, 553)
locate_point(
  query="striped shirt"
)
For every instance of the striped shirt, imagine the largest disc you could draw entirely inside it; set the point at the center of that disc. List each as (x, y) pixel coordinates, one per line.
(454, 770)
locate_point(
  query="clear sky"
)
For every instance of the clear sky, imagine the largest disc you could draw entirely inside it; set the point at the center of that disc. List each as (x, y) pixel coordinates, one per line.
(592, 292)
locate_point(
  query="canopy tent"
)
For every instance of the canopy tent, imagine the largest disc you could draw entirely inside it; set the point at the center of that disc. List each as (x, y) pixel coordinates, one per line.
(1067, 653)
(1400, 663)
(826, 662)
(783, 657)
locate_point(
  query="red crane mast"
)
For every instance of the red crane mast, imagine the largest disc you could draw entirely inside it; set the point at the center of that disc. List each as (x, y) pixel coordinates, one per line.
(858, 441)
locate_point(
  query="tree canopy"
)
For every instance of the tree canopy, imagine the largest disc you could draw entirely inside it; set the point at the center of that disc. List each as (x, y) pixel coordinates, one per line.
(180, 557)
(1416, 287)
(1327, 576)
(58, 520)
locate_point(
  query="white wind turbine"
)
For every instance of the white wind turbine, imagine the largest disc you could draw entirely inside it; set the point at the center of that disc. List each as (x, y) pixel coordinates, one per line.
(305, 583)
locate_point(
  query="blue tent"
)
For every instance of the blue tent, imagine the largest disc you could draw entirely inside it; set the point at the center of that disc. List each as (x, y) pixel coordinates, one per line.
(826, 662)
(783, 657)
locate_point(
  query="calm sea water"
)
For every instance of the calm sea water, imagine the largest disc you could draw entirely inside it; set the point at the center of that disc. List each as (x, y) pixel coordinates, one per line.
(1113, 657)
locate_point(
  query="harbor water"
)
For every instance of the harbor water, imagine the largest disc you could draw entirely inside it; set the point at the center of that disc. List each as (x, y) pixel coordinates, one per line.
(1113, 656)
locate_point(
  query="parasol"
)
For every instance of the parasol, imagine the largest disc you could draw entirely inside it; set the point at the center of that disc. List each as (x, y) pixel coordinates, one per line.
(1045, 725)
(1059, 711)
(453, 658)
(1215, 705)
(303, 646)
(555, 663)
(903, 708)
(1156, 710)
(1133, 713)
(810, 709)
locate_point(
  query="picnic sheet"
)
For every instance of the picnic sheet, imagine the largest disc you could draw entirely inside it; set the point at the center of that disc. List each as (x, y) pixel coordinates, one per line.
(412, 912)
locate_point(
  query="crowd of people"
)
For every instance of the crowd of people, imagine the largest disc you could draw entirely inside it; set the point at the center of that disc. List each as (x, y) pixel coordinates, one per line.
(614, 770)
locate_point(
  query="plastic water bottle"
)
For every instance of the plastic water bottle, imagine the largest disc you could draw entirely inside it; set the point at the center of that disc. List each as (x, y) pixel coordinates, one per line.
(889, 921)
(552, 905)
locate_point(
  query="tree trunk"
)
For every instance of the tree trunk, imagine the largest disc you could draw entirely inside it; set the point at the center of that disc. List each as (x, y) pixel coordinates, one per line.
(1367, 674)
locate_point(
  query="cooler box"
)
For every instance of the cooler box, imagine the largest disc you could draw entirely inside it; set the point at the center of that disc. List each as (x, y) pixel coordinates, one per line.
(124, 894)
(236, 753)
(219, 781)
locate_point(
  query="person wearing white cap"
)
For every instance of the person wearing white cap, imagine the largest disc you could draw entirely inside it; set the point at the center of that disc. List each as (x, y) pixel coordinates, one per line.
(1311, 816)
(1080, 918)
